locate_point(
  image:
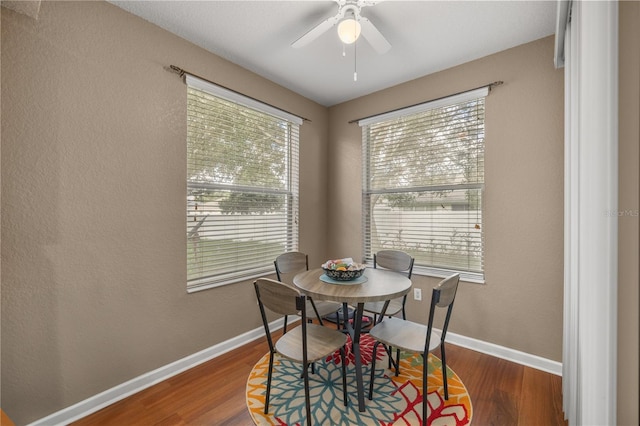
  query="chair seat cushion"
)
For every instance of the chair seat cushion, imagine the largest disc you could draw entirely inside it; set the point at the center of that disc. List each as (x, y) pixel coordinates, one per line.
(321, 342)
(395, 306)
(405, 335)
(324, 308)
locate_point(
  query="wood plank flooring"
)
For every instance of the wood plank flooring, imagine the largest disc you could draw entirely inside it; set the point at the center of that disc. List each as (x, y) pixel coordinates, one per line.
(213, 393)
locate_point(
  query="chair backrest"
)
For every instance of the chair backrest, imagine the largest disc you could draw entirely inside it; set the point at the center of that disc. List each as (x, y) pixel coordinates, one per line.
(280, 298)
(394, 260)
(442, 296)
(293, 261)
(446, 290)
(276, 296)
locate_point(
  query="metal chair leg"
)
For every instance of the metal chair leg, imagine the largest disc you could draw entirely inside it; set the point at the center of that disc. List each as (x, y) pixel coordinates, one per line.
(269, 374)
(425, 414)
(344, 375)
(444, 372)
(373, 369)
(307, 399)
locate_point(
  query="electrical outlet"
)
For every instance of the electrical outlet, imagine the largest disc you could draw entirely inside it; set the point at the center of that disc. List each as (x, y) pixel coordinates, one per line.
(417, 294)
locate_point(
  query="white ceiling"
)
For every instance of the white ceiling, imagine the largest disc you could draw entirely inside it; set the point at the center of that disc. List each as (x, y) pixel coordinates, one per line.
(426, 37)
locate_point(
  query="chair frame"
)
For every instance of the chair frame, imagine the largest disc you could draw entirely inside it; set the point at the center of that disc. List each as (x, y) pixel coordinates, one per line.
(393, 261)
(288, 308)
(386, 259)
(279, 272)
(437, 301)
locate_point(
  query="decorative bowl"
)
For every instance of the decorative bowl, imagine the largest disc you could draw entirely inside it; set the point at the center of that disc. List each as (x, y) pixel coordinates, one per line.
(343, 269)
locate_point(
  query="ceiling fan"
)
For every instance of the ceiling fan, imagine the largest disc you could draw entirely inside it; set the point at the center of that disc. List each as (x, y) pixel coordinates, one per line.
(350, 25)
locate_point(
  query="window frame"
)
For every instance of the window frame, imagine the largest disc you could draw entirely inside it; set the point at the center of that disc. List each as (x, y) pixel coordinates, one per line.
(290, 193)
(420, 268)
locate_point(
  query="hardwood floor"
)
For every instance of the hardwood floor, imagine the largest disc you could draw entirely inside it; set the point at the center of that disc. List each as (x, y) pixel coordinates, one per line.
(213, 393)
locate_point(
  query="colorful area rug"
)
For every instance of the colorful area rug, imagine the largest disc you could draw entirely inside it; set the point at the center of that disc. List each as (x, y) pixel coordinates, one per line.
(396, 400)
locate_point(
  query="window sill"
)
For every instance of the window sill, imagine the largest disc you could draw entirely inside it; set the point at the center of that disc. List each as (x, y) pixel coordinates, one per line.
(209, 283)
(424, 271)
(469, 277)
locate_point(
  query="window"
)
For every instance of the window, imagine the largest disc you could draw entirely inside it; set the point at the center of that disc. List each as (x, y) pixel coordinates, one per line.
(423, 176)
(242, 185)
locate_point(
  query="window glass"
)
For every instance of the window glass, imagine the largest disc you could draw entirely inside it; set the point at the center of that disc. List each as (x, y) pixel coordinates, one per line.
(422, 191)
(242, 189)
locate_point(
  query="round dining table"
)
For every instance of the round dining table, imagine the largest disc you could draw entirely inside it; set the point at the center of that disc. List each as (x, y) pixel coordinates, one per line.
(375, 285)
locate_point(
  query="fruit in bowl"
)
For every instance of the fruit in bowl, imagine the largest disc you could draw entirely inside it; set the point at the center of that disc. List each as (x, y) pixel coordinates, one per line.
(343, 269)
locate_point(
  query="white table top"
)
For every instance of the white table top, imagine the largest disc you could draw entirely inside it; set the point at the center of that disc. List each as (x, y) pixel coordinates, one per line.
(380, 285)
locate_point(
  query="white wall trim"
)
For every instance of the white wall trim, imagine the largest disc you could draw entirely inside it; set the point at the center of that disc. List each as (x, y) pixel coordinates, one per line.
(513, 355)
(571, 219)
(117, 393)
(591, 189)
(597, 233)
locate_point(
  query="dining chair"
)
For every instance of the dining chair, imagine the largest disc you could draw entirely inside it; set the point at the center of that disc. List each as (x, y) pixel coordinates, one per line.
(305, 344)
(418, 338)
(293, 262)
(397, 261)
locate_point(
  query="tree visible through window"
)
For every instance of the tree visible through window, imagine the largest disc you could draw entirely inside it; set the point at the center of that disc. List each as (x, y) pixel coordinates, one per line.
(423, 179)
(242, 187)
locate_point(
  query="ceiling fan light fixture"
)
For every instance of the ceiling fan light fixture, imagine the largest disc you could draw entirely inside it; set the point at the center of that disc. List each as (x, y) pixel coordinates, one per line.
(349, 30)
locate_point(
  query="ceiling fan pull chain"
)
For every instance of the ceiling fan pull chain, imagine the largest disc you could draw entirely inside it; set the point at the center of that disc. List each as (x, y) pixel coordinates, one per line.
(355, 60)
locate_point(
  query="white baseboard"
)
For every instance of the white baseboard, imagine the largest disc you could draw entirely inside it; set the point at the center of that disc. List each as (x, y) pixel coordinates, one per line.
(117, 393)
(533, 361)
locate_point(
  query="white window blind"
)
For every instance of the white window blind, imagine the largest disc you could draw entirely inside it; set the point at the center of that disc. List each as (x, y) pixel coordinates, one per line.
(242, 185)
(423, 176)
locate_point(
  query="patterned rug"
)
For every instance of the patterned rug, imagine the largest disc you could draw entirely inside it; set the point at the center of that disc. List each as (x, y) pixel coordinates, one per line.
(396, 400)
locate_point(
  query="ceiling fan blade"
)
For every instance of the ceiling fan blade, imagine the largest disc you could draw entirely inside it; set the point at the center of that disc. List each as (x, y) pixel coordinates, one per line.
(316, 32)
(373, 36)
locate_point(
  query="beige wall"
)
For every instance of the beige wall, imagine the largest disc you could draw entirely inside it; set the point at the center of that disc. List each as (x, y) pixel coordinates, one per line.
(628, 201)
(93, 188)
(93, 271)
(520, 306)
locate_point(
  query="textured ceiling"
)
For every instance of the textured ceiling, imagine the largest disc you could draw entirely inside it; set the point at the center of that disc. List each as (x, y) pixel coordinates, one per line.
(426, 37)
